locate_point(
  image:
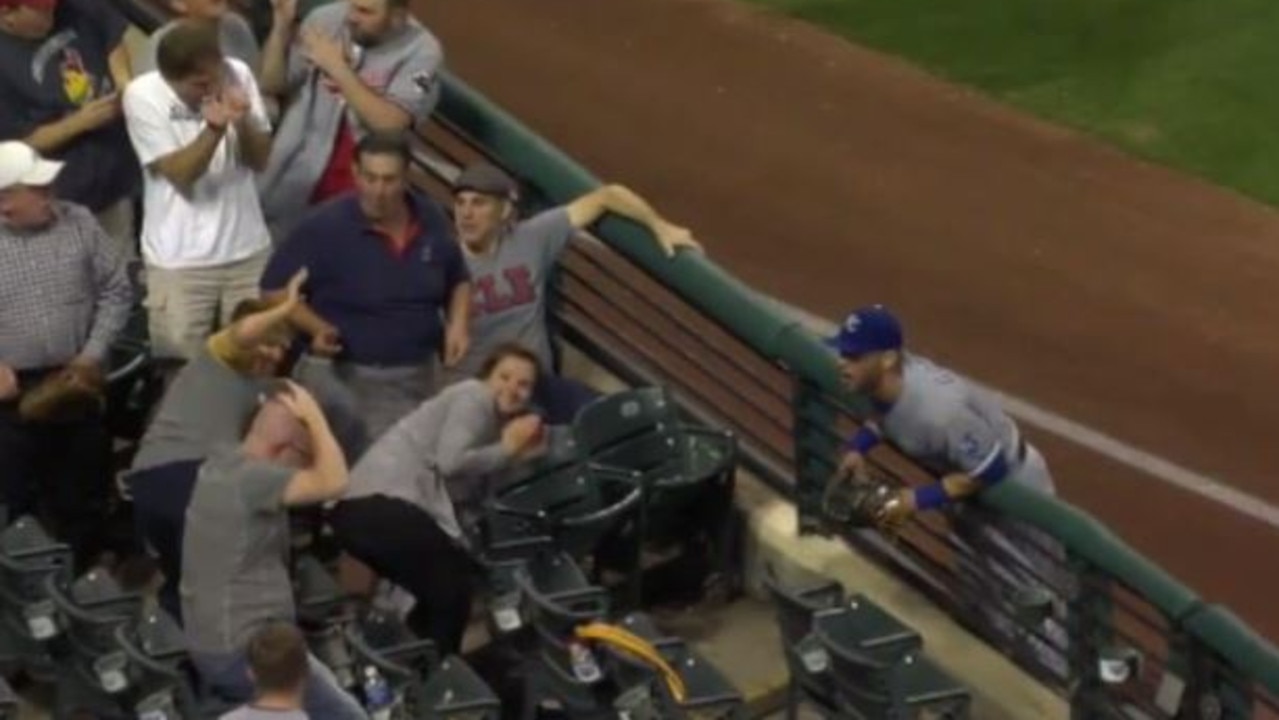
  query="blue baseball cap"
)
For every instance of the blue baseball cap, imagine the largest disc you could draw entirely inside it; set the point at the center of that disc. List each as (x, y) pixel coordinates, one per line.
(866, 330)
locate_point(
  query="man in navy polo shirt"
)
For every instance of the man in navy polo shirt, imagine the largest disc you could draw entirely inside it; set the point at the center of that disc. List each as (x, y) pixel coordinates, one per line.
(388, 293)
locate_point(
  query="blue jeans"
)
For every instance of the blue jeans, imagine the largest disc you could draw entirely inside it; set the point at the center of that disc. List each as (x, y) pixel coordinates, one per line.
(227, 677)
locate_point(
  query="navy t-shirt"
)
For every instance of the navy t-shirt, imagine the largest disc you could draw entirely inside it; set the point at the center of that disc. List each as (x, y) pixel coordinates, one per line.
(44, 80)
(389, 306)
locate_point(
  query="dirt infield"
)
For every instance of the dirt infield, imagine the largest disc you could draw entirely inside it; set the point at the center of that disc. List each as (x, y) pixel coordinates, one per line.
(1126, 297)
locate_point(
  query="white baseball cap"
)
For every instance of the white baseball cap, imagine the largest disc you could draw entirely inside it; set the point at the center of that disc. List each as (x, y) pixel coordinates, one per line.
(20, 164)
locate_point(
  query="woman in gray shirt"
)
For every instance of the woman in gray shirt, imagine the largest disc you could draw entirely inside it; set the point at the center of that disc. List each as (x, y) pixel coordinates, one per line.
(421, 483)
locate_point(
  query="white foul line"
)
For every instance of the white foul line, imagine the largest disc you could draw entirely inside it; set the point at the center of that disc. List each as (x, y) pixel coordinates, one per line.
(1157, 467)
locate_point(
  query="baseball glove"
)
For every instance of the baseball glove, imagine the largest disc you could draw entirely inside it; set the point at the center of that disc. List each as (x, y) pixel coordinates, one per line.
(858, 502)
(67, 396)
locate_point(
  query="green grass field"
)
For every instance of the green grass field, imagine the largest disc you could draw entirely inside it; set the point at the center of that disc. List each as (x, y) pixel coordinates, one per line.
(1190, 83)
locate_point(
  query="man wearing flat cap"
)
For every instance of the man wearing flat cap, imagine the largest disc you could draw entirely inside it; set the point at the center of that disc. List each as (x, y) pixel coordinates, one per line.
(512, 261)
(64, 298)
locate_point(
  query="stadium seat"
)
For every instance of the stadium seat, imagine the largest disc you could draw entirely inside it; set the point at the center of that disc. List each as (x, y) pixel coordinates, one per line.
(90, 610)
(884, 676)
(323, 612)
(810, 680)
(553, 668)
(28, 619)
(159, 671)
(454, 691)
(687, 474)
(575, 505)
(382, 645)
(708, 692)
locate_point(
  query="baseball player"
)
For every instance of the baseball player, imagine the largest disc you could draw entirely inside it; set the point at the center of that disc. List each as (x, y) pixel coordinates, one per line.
(959, 433)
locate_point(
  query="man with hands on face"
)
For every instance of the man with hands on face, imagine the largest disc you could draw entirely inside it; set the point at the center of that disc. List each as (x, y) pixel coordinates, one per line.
(64, 298)
(201, 133)
(354, 67)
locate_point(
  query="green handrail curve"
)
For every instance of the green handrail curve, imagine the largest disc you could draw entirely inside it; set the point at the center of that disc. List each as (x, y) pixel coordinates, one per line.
(782, 339)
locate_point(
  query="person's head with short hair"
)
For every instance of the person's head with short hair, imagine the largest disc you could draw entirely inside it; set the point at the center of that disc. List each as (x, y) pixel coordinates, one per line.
(189, 58)
(382, 174)
(277, 658)
(372, 21)
(207, 10)
(275, 434)
(26, 186)
(511, 371)
(28, 19)
(484, 199)
(870, 347)
(267, 355)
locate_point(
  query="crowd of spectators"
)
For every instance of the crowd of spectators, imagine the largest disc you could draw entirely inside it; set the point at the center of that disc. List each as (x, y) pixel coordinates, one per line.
(330, 335)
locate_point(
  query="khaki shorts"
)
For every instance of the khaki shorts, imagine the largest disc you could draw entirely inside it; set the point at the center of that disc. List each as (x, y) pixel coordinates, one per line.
(185, 306)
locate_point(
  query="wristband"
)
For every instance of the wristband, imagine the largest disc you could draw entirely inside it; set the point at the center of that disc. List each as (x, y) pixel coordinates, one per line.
(863, 440)
(931, 497)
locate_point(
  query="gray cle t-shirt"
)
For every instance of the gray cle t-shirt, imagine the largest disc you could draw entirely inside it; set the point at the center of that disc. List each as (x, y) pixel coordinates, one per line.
(510, 287)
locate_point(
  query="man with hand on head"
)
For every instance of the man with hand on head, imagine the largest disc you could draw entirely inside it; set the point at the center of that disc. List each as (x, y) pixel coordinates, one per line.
(208, 403)
(235, 552)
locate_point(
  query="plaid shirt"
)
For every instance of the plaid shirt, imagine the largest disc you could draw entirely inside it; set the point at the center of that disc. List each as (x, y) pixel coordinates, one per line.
(64, 291)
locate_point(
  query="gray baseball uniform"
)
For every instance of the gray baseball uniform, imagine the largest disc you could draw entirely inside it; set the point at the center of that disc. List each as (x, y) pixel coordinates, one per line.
(402, 68)
(510, 287)
(947, 424)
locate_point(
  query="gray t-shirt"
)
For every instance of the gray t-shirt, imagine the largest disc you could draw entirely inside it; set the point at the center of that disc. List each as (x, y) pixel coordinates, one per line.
(403, 69)
(207, 404)
(235, 35)
(248, 712)
(510, 285)
(235, 551)
(440, 457)
(947, 424)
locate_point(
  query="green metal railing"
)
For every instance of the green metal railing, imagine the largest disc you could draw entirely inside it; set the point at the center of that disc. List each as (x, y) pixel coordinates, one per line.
(737, 361)
(1194, 657)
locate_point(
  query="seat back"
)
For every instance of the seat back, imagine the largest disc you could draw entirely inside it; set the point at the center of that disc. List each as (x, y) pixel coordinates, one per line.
(317, 593)
(91, 608)
(380, 639)
(859, 679)
(454, 690)
(159, 669)
(575, 506)
(611, 420)
(795, 606)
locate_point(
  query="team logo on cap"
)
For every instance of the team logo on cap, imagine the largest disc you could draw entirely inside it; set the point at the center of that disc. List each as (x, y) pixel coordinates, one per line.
(853, 322)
